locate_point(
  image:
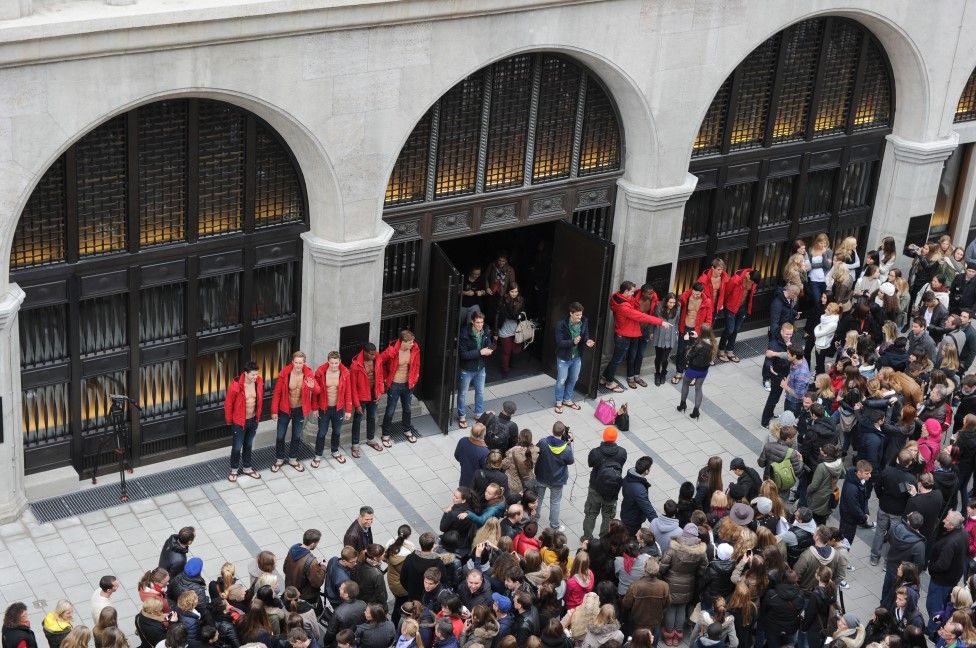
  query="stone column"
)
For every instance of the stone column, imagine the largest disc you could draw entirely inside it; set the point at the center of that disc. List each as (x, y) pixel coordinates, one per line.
(342, 284)
(647, 227)
(908, 185)
(11, 9)
(13, 497)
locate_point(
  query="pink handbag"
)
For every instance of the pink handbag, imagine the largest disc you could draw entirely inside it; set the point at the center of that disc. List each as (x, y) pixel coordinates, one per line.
(606, 411)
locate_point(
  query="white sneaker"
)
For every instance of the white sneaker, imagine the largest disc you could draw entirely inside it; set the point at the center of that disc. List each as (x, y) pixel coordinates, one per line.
(766, 386)
(851, 568)
(844, 584)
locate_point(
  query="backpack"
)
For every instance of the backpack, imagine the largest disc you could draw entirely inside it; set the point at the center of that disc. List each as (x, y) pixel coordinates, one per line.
(609, 479)
(496, 432)
(782, 472)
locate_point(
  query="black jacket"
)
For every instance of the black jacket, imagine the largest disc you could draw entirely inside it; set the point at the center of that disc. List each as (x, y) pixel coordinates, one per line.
(182, 583)
(820, 432)
(930, 505)
(947, 481)
(636, 507)
(412, 572)
(967, 405)
(564, 339)
(151, 631)
(895, 358)
(700, 355)
(853, 499)
(605, 453)
(526, 625)
(465, 528)
(469, 351)
(780, 609)
(949, 555)
(749, 483)
(12, 637)
(717, 581)
(172, 558)
(780, 311)
(891, 488)
(962, 293)
(804, 540)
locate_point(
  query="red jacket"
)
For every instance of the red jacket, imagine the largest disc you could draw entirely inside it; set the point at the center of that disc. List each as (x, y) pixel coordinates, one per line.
(970, 527)
(704, 315)
(279, 401)
(654, 301)
(343, 398)
(627, 318)
(360, 382)
(389, 358)
(706, 280)
(735, 292)
(235, 403)
(522, 543)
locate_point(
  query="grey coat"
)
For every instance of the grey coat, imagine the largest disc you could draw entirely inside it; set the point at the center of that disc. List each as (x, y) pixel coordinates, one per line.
(682, 566)
(667, 338)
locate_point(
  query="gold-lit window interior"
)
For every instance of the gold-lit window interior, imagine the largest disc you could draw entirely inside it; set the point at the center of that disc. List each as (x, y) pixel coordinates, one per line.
(966, 107)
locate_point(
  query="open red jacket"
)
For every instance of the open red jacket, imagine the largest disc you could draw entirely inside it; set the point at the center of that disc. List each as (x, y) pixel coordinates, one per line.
(627, 317)
(706, 280)
(360, 381)
(235, 403)
(704, 315)
(388, 358)
(279, 401)
(735, 292)
(344, 396)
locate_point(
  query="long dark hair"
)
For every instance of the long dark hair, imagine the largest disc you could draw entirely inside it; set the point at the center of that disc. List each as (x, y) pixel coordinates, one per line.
(525, 441)
(250, 625)
(516, 304)
(668, 313)
(402, 534)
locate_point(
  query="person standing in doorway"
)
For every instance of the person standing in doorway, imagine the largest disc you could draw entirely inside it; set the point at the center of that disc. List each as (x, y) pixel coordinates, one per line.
(738, 304)
(627, 319)
(572, 336)
(401, 370)
(293, 399)
(499, 277)
(472, 292)
(334, 405)
(474, 349)
(696, 309)
(366, 380)
(511, 311)
(242, 411)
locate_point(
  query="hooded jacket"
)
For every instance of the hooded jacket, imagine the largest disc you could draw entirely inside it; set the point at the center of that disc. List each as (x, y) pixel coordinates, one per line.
(647, 599)
(597, 635)
(389, 359)
(185, 583)
(803, 532)
(235, 402)
(683, 564)
(850, 638)
(820, 491)
(949, 555)
(705, 279)
(824, 331)
(780, 608)
(717, 581)
(636, 507)
(56, 629)
(627, 317)
(775, 452)
(665, 530)
(279, 399)
(484, 635)
(308, 583)
(564, 338)
(608, 452)
(343, 392)
(904, 543)
(172, 558)
(705, 311)
(362, 391)
(555, 457)
(810, 561)
(735, 292)
(780, 310)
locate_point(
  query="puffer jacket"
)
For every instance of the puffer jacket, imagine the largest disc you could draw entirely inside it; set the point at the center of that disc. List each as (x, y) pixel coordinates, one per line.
(182, 583)
(636, 506)
(780, 609)
(775, 452)
(172, 558)
(376, 635)
(904, 544)
(555, 457)
(683, 564)
(824, 331)
(647, 599)
(597, 635)
(820, 492)
(717, 581)
(517, 468)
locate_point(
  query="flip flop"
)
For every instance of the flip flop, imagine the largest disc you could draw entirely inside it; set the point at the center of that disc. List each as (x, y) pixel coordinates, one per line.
(297, 465)
(558, 409)
(387, 442)
(463, 424)
(316, 462)
(338, 456)
(573, 406)
(356, 454)
(252, 473)
(410, 437)
(276, 466)
(615, 388)
(232, 477)
(734, 358)
(375, 445)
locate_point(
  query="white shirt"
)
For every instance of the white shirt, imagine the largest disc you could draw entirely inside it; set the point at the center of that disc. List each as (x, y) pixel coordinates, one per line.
(99, 603)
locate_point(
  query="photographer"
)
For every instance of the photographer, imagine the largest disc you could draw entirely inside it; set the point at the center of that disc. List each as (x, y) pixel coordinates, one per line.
(552, 468)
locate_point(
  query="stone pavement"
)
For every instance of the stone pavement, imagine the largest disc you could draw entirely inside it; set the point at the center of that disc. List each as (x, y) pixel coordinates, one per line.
(40, 563)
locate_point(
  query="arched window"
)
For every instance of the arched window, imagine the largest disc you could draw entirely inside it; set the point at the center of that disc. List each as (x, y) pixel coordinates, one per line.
(790, 146)
(159, 253)
(966, 108)
(532, 137)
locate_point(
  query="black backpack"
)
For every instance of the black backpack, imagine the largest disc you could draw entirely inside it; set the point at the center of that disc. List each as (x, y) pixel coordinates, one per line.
(496, 432)
(609, 479)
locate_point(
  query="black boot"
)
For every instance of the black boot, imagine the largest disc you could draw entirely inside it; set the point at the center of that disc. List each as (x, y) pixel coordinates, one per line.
(694, 413)
(681, 406)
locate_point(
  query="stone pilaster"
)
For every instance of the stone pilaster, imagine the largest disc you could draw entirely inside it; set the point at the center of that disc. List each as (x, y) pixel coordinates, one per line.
(13, 498)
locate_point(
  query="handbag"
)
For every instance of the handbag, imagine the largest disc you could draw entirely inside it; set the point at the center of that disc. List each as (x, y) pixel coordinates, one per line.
(622, 419)
(606, 411)
(524, 330)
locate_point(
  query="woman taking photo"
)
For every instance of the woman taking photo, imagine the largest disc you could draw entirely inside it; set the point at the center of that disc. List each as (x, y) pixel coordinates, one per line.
(700, 357)
(510, 313)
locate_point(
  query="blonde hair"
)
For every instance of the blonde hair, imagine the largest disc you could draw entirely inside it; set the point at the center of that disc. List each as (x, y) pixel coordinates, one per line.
(227, 573)
(848, 245)
(824, 386)
(890, 331)
(491, 531)
(821, 241)
(850, 339)
(266, 578)
(152, 606)
(409, 627)
(584, 615)
(833, 308)
(840, 272)
(235, 592)
(79, 637)
(794, 266)
(62, 608)
(478, 431)
(187, 600)
(950, 357)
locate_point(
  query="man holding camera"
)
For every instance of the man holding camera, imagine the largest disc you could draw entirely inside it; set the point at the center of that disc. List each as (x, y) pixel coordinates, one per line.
(552, 468)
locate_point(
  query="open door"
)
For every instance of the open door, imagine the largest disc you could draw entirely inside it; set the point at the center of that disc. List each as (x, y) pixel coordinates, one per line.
(441, 337)
(582, 264)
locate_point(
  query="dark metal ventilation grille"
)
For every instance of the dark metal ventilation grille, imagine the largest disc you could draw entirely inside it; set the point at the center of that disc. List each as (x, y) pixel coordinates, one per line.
(278, 196)
(162, 172)
(102, 185)
(802, 48)
(39, 239)
(841, 57)
(966, 108)
(221, 201)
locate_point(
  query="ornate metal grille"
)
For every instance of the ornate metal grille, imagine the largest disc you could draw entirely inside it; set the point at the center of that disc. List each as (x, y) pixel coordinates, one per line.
(274, 292)
(856, 186)
(220, 302)
(802, 46)
(601, 134)
(408, 182)
(558, 94)
(596, 220)
(966, 107)
(818, 195)
(709, 138)
(45, 414)
(874, 103)
(458, 137)
(162, 158)
(214, 373)
(390, 327)
(694, 227)
(96, 401)
(271, 356)
(161, 309)
(278, 196)
(840, 58)
(221, 169)
(102, 189)
(769, 261)
(104, 325)
(736, 207)
(777, 199)
(401, 267)
(755, 85)
(686, 273)
(43, 336)
(39, 238)
(161, 391)
(508, 122)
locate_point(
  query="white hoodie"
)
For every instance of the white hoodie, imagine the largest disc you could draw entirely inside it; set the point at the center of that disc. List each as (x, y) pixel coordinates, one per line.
(824, 331)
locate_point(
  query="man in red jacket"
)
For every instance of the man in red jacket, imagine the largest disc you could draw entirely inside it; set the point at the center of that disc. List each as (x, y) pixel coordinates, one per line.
(627, 319)
(401, 371)
(738, 304)
(293, 400)
(334, 405)
(366, 376)
(242, 411)
(696, 309)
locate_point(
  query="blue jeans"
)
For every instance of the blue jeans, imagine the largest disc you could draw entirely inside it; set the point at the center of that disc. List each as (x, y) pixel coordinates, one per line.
(465, 378)
(555, 499)
(733, 324)
(297, 419)
(333, 416)
(635, 356)
(567, 373)
(621, 346)
(397, 392)
(817, 288)
(369, 410)
(935, 602)
(243, 440)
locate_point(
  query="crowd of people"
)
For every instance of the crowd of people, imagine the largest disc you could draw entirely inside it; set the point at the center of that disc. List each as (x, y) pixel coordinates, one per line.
(758, 556)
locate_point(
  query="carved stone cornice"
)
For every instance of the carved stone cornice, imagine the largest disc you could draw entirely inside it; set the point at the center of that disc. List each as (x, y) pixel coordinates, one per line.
(657, 198)
(347, 253)
(10, 306)
(920, 153)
